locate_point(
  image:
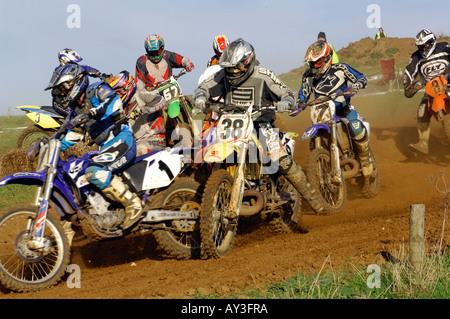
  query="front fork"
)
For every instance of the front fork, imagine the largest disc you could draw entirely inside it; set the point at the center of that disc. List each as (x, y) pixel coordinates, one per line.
(336, 174)
(43, 198)
(237, 191)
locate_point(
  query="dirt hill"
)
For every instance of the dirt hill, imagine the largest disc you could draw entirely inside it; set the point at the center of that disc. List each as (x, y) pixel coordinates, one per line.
(365, 55)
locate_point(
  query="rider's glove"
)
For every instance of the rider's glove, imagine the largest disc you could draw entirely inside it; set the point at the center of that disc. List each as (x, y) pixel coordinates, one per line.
(284, 106)
(200, 102)
(189, 66)
(79, 119)
(356, 86)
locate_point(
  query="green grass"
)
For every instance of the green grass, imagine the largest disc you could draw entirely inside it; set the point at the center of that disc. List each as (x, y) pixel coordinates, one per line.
(8, 139)
(16, 194)
(397, 281)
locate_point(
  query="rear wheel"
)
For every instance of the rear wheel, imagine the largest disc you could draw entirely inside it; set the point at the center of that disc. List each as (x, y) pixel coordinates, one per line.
(180, 238)
(23, 269)
(217, 228)
(334, 193)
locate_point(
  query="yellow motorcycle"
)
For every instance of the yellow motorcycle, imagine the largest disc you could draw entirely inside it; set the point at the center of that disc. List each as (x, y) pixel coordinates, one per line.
(46, 122)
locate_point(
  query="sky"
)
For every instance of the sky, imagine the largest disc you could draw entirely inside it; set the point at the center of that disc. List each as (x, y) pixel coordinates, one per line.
(110, 34)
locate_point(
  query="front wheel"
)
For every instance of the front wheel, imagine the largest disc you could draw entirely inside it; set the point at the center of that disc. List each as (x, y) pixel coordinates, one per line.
(23, 269)
(32, 134)
(180, 238)
(334, 193)
(217, 229)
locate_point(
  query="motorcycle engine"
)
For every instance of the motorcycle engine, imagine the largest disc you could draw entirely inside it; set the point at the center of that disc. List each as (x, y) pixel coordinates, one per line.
(102, 214)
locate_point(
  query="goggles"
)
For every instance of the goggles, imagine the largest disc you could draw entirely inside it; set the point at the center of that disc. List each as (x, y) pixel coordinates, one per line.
(236, 70)
(155, 52)
(319, 63)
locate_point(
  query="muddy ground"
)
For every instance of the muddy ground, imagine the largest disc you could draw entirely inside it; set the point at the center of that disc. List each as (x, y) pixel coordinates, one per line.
(367, 231)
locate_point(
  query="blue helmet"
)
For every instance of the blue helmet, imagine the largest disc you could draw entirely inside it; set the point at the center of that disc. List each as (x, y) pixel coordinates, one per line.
(68, 83)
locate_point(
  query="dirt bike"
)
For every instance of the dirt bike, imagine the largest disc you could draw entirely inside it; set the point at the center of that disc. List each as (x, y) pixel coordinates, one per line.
(333, 158)
(439, 101)
(241, 180)
(46, 122)
(35, 246)
(177, 117)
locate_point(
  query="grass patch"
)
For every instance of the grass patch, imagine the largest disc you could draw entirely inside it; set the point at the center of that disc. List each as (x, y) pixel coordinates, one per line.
(16, 194)
(397, 280)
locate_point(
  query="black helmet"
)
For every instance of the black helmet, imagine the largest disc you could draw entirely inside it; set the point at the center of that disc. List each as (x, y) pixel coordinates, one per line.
(238, 60)
(68, 83)
(425, 42)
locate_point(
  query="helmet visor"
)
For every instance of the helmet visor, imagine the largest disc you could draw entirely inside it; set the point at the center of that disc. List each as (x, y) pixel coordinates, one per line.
(155, 53)
(236, 70)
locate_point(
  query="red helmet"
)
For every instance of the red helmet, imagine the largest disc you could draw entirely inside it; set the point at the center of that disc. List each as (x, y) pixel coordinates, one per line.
(220, 43)
(319, 56)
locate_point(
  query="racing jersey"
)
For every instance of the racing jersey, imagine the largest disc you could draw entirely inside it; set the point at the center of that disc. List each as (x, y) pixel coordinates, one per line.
(105, 108)
(426, 68)
(334, 80)
(150, 74)
(261, 88)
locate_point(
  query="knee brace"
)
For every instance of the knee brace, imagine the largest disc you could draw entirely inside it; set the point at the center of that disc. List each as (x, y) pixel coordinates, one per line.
(357, 129)
(98, 175)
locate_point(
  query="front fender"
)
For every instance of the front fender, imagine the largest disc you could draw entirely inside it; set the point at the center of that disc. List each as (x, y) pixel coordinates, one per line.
(218, 152)
(313, 130)
(62, 200)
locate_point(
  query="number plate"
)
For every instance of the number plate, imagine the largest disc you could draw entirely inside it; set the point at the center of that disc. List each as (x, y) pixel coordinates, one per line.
(233, 126)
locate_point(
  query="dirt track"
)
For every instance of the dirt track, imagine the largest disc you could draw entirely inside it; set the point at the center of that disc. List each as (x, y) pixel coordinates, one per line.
(365, 233)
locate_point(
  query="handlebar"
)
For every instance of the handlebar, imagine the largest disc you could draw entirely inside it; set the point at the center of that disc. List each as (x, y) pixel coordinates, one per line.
(349, 92)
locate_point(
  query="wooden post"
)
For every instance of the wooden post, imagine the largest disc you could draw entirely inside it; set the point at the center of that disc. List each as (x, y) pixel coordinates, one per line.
(9, 112)
(416, 235)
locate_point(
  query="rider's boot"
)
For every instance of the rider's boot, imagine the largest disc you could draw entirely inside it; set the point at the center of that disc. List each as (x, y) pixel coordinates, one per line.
(362, 147)
(424, 130)
(297, 178)
(119, 192)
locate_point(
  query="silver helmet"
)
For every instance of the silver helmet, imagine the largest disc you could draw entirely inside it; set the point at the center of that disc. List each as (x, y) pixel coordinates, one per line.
(238, 60)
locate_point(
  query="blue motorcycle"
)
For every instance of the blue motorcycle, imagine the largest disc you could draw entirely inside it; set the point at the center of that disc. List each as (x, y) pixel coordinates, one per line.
(35, 245)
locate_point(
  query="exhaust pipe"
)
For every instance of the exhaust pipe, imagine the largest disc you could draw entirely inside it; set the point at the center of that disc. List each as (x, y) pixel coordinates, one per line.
(346, 174)
(249, 210)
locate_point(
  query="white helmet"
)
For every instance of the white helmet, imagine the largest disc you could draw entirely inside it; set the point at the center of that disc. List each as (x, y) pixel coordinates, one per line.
(426, 42)
(68, 56)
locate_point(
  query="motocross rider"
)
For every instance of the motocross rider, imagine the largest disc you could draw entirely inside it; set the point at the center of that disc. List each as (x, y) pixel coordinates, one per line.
(95, 109)
(429, 61)
(219, 44)
(156, 66)
(323, 79)
(66, 56)
(144, 118)
(242, 82)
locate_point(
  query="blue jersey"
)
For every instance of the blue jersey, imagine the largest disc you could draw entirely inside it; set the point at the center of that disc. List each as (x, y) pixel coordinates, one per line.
(336, 79)
(105, 108)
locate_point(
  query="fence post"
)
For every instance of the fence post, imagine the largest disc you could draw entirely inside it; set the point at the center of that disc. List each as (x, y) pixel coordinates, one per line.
(416, 235)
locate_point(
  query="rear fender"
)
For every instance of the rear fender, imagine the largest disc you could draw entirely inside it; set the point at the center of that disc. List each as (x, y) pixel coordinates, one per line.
(62, 200)
(40, 117)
